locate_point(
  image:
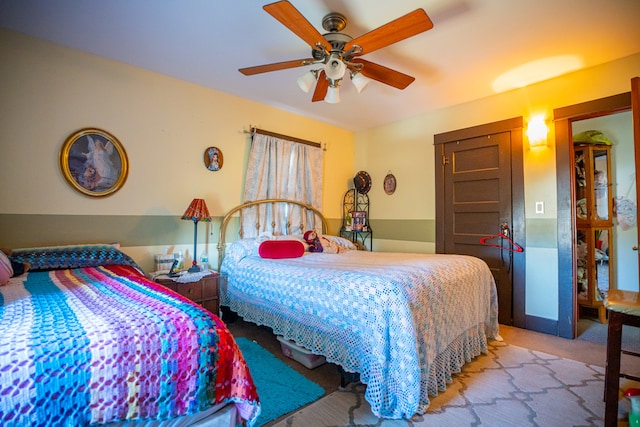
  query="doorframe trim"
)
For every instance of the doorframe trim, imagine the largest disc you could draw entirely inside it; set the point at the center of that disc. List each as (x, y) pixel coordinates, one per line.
(515, 127)
(566, 220)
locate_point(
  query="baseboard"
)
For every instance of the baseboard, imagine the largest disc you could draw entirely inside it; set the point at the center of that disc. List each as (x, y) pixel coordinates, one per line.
(541, 324)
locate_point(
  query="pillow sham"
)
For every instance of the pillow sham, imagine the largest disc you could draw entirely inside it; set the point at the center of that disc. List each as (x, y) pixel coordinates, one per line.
(340, 242)
(73, 256)
(277, 249)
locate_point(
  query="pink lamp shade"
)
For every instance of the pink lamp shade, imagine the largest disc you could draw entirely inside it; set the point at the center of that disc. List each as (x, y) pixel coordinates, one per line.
(197, 211)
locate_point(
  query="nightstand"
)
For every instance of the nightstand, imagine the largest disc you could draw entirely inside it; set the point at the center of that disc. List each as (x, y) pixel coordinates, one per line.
(205, 291)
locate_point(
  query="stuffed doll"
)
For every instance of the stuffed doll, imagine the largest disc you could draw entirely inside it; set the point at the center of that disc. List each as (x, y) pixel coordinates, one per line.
(311, 237)
(10, 268)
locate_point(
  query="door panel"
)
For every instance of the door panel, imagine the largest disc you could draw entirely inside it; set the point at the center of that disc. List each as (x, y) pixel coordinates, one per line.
(478, 201)
(480, 185)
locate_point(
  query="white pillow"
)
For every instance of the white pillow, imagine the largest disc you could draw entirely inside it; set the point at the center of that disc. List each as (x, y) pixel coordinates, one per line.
(341, 242)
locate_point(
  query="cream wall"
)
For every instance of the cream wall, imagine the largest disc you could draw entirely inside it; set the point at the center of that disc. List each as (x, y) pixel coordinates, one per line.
(164, 124)
(406, 149)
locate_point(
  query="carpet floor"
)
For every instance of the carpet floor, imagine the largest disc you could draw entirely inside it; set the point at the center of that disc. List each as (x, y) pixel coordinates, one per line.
(510, 386)
(588, 349)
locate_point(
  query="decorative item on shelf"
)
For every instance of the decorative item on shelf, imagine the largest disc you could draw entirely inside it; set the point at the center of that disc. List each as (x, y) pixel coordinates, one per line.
(93, 162)
(213, 159)
(389, 183)
(197, 211)
(359, 220)
(362, 182)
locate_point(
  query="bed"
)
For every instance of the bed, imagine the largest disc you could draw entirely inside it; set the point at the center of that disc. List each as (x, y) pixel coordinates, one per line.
(87, 339)
(405, 322)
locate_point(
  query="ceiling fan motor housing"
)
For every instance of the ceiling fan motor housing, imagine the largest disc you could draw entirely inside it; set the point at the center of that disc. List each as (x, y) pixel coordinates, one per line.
(334, 22)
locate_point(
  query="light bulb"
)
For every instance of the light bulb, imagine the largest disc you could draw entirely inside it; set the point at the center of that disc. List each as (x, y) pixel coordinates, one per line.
(537, 132)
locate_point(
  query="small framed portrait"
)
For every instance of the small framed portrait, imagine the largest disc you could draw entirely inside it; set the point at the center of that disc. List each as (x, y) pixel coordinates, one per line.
(213, 159)
(93, 162)
(389, 183)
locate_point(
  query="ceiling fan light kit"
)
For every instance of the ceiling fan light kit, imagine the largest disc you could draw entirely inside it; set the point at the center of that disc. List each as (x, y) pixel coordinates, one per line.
(339, 52)
(335, 68)
(333, 95)
(359, 81)
(307, 80)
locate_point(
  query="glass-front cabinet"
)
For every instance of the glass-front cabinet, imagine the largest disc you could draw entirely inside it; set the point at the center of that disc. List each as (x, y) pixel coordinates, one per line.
(593, 204)
(593, 175)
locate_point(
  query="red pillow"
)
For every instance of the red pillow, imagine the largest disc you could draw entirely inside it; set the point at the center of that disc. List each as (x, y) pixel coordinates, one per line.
(281, 249)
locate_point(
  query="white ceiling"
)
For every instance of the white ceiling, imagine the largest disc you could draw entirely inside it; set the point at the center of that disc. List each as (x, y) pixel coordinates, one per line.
(206, 41)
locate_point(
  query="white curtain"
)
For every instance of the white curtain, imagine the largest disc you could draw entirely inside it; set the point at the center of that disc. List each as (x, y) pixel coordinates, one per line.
(281, 169)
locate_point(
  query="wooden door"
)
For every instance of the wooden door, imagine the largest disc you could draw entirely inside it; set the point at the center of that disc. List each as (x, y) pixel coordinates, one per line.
(476, 167)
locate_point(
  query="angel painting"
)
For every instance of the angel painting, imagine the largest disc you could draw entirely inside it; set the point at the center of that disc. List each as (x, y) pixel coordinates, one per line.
(93, 163)
(99, 160)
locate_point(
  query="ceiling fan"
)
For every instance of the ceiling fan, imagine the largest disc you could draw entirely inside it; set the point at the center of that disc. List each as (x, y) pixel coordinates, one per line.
(339, 53)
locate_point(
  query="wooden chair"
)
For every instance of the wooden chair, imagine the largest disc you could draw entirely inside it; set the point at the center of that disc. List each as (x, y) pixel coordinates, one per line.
(623, 308)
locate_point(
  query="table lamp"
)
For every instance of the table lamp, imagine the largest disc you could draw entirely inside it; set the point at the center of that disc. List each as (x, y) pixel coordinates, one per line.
(197, 211)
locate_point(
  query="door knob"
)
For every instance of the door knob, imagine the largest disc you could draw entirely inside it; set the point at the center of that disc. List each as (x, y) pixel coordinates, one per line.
(635, 248)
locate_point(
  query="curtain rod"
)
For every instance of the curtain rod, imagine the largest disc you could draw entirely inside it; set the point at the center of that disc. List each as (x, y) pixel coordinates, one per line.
(253, 130)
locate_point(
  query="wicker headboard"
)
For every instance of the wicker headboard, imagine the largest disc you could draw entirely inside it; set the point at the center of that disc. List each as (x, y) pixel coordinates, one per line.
(240, 208)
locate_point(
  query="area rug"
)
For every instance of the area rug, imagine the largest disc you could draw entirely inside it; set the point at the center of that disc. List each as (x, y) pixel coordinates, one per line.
(509, 386)
(281, 389)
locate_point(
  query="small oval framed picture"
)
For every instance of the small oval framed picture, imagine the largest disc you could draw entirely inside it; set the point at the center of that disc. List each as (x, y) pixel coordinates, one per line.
(93, 162)
(213, 159)
(389, 183)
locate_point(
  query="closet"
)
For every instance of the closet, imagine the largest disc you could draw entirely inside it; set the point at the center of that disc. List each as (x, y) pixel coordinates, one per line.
(594, 222)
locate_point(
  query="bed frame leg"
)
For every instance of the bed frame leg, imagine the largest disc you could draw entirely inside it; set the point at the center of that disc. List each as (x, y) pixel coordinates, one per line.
(347, 378)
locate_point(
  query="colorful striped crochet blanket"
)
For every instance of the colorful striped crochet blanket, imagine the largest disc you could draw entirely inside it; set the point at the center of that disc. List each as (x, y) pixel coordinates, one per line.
(94, 345)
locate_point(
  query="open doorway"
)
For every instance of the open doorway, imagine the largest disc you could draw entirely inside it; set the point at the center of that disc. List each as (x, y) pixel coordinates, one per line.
(615, 263)
(607, 113)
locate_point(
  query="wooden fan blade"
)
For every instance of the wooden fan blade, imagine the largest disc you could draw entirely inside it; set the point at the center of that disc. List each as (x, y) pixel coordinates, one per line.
(321, 87)
(289, 16)
(383, 74)
(249, 71)
(399, 29)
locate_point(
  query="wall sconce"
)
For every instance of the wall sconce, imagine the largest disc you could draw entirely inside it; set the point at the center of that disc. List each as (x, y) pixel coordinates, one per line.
(537, 132)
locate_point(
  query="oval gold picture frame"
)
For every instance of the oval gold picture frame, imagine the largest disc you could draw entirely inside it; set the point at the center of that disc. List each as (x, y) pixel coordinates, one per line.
(213, 159)
(389, 184)
(93, 162)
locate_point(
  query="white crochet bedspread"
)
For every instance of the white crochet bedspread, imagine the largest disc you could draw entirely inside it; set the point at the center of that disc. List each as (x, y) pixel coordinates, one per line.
(405, 322)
